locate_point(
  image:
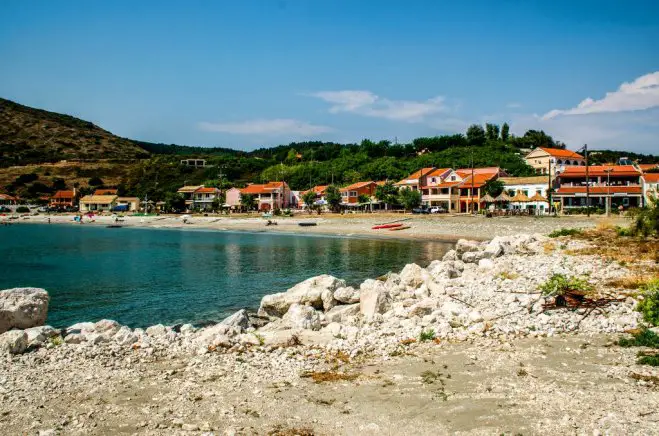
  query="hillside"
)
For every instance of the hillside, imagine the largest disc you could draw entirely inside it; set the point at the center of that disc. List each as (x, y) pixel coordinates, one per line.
(29, 136)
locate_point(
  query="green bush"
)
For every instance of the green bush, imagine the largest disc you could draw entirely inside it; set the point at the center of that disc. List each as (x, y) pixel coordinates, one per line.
(624, 231)
(426, 335)
(559, 284)
(649, 306)
(647, 221)
(565, 232)
(644, 338)
(22, 209)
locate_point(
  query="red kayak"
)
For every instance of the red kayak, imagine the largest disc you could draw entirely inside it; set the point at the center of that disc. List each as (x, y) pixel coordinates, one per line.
(386, 226)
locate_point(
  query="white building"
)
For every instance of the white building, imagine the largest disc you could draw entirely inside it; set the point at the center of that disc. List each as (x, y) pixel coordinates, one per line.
(650, 187)
(536, 188)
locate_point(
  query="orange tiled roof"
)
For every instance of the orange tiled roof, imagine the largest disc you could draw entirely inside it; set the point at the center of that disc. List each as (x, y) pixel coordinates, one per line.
(651, 177)
(479, 180)
(356, 186)
(599, 189)
(464, 172)
(559, 152)
(438, 172)
(416, 175)
(7, 197)
(266, 188)
(205, 190)
(63, 194)
(105, 192)
(600, 170)
(645, 167)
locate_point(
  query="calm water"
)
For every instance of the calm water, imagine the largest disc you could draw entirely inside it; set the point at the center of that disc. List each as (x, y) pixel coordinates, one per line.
(142, 277)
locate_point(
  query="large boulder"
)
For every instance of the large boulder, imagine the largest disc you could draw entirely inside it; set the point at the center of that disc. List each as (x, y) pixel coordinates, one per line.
(13, 342)
(303, 317)
(347, 295)
(239, 320)
(465, 246)
(374, 298)
(23, 308)
(39, 335)
(341, 312)
(447, 269)
(317, 292)
(413, 275)
(493, 249)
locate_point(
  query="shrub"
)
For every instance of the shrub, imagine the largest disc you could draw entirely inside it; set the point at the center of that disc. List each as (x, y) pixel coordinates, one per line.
(647, 221)
(22, 209)
(559, 284)
(426, 335)
(565, 232)
(649, 306)
(624, 231)
(643, 338)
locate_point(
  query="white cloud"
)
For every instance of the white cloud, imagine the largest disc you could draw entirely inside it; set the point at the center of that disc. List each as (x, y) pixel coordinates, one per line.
(274, 127)
(369, 104)
(641, 94)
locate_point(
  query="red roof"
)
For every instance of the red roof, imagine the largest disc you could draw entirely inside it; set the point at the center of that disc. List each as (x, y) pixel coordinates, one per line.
(651, 177)
(356, 186)
(479, 180)
(464, 172)
(416, 175)
(7, 197)
(600, 170)
(599, 189)
(438, 172)
(559, 152)
(443, 185)
(266, 188)
(105, 192)
(206, 190)
(63, 194)
(646, 167)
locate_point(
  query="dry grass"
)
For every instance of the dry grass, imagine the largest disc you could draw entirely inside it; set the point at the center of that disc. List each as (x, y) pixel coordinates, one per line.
(606, 243)
(631, 282)
(329, 376)
(281, 430)
(549, 247)
(409, 341)
(508, 275)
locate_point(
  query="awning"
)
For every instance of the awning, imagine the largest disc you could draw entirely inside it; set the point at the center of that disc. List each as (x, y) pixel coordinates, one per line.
(520, 197)
(120, 208)
(487, 198)
(503, 197)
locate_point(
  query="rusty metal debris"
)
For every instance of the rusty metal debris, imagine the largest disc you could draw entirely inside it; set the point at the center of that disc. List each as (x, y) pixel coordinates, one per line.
(578, 300)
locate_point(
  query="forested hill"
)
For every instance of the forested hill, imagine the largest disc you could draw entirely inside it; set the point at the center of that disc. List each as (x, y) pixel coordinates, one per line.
(29, 135)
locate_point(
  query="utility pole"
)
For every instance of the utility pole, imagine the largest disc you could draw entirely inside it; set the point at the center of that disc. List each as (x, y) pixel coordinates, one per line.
(585, 147)
(608, 191)
(472, 180)
(549, 187)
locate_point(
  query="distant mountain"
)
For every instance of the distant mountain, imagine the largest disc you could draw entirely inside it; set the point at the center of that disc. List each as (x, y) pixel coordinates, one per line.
(29, 135)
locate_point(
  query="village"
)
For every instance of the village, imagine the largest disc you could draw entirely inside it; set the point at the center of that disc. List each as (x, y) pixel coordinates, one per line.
(564, 184)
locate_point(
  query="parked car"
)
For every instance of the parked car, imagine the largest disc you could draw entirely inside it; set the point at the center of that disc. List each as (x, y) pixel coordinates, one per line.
(420, 210)
(437, 209)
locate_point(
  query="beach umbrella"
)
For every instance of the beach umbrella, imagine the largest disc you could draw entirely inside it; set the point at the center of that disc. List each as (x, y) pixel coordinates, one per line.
(520, 197)
(487, 198)
(503, 197)
(538, 197)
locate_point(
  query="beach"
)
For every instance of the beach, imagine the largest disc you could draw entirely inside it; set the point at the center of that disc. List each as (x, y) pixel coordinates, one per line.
(428, 227)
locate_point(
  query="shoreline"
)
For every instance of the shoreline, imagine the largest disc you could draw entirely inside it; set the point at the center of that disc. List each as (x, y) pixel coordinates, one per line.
(430, 228)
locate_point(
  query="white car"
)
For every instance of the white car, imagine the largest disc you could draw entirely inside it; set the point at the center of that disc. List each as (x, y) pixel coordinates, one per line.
(437, 209)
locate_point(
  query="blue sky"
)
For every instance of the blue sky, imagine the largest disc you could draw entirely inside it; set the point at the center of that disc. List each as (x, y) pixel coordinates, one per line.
(254, 73)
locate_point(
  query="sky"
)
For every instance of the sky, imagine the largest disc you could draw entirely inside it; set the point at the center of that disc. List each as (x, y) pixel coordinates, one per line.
(247, 74)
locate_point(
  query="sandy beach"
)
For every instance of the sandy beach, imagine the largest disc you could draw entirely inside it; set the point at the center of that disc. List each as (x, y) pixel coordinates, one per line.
(427, 227)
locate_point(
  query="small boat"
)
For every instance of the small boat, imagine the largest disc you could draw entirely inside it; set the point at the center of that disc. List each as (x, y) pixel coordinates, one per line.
(306, 224)
(386, 226)
(400, 228)
(114, 226)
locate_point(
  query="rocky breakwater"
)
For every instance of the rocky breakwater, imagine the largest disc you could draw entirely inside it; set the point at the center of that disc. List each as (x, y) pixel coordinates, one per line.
(479, 289)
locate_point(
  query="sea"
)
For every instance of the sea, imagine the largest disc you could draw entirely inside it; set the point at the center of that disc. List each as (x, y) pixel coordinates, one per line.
(141, 277)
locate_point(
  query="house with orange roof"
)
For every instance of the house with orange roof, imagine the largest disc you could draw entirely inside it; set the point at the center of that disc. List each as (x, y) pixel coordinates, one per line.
(6, 199)
(269, 196)
(204, 197)
(103, 191)
(650, 187)
(545, 160)
(620, 185)
(440, 189)
(63, 199)
(319, 190)
(416, 179)
(350, 194)
(649, 167)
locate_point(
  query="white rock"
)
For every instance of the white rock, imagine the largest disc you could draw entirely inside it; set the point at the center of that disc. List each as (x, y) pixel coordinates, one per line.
(239, 319)
(13, 342)
(107, 326)
(493, 249)
(156, 330)
(23, 308)
(347, 295)
(374, 299)
(450, 255)
(413, 275)
(309, 292)
(422, 308)
(304, 317)
(472, 256)
(39, 335)
(452, 308)
(485, 264)
(81, 327)
(422, 292)
(466, 246)
(340, 312)
(187, 329)
(475, 316)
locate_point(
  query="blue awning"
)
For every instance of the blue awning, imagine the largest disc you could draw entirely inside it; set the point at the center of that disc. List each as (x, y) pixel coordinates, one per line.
(120, 208)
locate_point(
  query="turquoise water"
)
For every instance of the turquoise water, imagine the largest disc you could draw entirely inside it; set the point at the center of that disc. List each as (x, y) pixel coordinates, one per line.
(142, 277)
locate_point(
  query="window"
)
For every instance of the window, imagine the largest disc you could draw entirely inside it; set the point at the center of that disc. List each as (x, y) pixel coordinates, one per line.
(433, 180)
(560, 161)
(453, 178)
(353, 193)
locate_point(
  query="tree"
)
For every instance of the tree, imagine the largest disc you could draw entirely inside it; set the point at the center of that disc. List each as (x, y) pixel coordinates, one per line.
(505, 132)
(387, 193)
(363, 199)
(309, 198)
(491, 132)
(248, 201)
(476, 135)
(216, 204)
(95, 181)
(175, 202)
(59, 184)
(409, 198)
(493, 187)
(333, 197)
